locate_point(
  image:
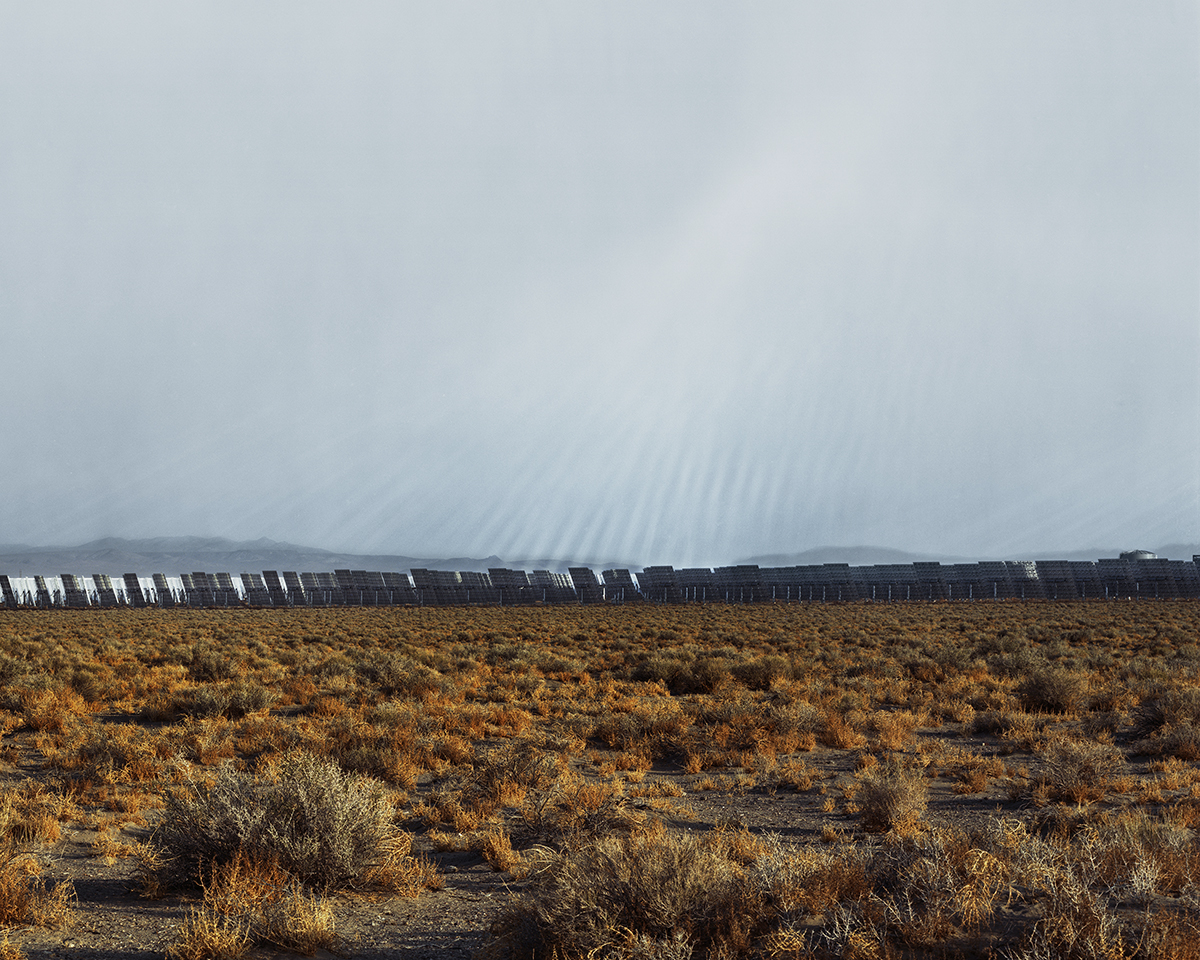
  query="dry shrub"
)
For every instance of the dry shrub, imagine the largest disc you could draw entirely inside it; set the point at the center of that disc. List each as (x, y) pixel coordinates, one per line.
(1166, 706)
(760, 673)
(839, 733)
(793, 772)
(815, 879)
(231, 700)
(592, 900)
(26, 899)
(1050, 689)
(894, 729)
(575, 810)
(30, 812)
(401, 872)
(248, 902)
(1181, 740)
(1080, 771)
(206, 741)
(892, 798)
(113, 753)
(208, 935)
(938, 881)
(798, 720)
(324, 826)
(503, 775)
(497, 849)
(1077, 920)
(52, 710)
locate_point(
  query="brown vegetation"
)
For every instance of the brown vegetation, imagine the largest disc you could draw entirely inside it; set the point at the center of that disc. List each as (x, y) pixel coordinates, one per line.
(270, 758)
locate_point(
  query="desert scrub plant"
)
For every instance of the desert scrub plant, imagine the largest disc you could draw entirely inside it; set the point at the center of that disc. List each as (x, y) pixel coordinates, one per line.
(25, 898)
(496, 847)
(208, 665)
(1081, 771)
(936, 881)
(1168, 720)
(395, 674)
(841, 733)
(30, 812)
(593, 900)
(52, 709)
(248, 902)
(574, 811)
(892, 798)
(1052, 689)
(893, 729)
(325, 826)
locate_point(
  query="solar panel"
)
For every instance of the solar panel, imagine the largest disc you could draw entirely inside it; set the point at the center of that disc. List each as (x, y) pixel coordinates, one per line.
(42, 593)
(619, 586)
(587, 587)
(106, 595)
(74, 594)
(400, 587)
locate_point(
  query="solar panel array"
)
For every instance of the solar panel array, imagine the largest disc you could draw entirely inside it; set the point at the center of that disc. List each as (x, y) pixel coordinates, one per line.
(74, 594)
(295, 590)
(165, 596)
(275, 592)
(830, 582)
(106, 594)
(619, 586)
(133, 590)
(42, 592)
(586, 586)
(514, 586)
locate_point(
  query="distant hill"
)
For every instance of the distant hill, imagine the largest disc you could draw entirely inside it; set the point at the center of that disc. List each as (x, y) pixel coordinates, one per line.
(862, 556)
(176, 555)
(856, 556)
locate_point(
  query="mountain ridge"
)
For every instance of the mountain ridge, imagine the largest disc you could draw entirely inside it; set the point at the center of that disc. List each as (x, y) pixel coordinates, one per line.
(174, 555)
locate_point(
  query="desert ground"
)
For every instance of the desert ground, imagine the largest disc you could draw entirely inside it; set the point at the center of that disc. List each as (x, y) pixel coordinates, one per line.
(1010, 780)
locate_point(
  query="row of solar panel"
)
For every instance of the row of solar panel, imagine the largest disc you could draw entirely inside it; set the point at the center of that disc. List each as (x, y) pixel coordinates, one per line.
(1021, 579)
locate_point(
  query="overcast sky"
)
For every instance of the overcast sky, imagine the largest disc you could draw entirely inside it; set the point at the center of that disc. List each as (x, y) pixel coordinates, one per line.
(659, 282)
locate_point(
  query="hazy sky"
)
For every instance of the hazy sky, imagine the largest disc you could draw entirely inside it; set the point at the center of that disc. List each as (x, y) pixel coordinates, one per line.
(661, 282)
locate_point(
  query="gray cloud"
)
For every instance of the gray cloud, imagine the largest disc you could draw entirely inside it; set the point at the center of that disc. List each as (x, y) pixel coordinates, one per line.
(673, 282)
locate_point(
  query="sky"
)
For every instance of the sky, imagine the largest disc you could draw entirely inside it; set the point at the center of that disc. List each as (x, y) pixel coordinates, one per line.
(659, 282)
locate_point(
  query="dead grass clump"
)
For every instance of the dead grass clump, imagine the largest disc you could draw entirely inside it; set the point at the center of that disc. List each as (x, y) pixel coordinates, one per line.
(892, 798)
(649, 887)
(32, 813)
(894, 729)
(52, 710)
(324, 826)
(1052, 689)
(26, 899)
(838, 732)
(1081, 771)
(496, 848)
(398, 870)
(249, 902)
